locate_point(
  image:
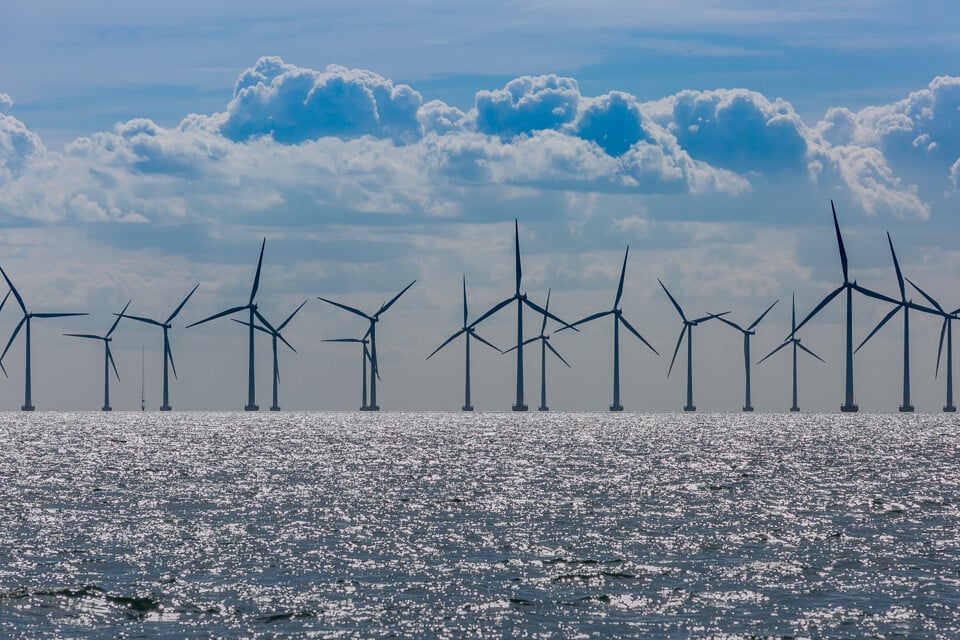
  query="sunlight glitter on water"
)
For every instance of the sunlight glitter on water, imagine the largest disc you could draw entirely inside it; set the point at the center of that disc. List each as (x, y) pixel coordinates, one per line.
(486, 525)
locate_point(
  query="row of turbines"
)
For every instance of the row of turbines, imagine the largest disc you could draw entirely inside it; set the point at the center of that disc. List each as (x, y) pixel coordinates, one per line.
(256, 322)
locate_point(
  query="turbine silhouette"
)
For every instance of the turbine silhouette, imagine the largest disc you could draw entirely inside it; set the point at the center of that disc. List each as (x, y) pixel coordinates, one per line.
(687, 331)
(372, 333)
(544, 345)
(946, 327)
(618, 319)
(25, 320)
(749, 331)
(167, 352)
(469, 332)
(107, 356)
(251, 307)
(365, 357)
(276, 335)
(849, 402)
(521, 299)
(795, 341)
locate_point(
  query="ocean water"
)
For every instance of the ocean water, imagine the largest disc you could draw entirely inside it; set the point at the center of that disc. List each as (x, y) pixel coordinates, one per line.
(232, 525)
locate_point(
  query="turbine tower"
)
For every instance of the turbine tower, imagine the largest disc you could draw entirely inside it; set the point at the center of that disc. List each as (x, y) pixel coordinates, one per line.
(469, 332)
(25, 320)
(905, 305)
(795, 341)
(749, 331)
(365, 357)
(521, 299)
(849, 403)
(167, 353)
(946, 327)
(544, 345)
(687, 331)
(251, 307)
(107, 356)
(618, 319)
(275, 335)
(372, 333)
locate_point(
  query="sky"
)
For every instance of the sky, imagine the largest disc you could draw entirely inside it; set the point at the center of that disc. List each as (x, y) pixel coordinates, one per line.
(145, 149)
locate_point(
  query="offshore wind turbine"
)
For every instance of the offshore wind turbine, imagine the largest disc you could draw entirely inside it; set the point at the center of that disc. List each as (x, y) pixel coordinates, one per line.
(372, 333)
(946, 327)
(365, 357)
(167, 353)
(25, 320)
(544, 345)
(749, 331)
(849, 404)
(795, 341)
(521, 299)
(275, 334)
(251, 306)
(107, 356)
(618, 319)
(469, 332)
(905, 305)
(687, 331)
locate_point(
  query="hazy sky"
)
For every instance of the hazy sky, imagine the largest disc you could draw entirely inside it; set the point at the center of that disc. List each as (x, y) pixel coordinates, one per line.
(144, 149)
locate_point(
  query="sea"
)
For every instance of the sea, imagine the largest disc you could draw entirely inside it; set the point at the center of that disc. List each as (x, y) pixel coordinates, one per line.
(483, 525)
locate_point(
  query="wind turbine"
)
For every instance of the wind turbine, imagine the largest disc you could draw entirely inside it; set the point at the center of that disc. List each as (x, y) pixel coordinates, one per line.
(544, 345)
(849, 405)
(946, 327)
(906, 305)
(366, 356)
(372, 333)
(687, 331)
(746, 349)
(795, 341)
(107, 356)
(469, 331)
(618, 319)
(167, 353)
(251, 306)
(521, 299)
(25, 320)
(275, 335)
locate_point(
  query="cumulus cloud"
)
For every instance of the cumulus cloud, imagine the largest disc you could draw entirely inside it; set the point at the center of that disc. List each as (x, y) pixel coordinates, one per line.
(526, 104)
(17, 143)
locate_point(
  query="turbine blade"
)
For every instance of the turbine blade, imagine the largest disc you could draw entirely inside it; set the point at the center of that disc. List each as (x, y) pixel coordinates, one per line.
(284, 341)
(516, 245)
(4, 302)
(729, 322)
(879, 324)
(276, 369)
(911, 304)
(265, 322)
(623, 273)
(943, 330)
(84, 335)
(290, 317)
(873, 294)
(793, 312)
(543, 326)
(58, 315)
(711, 316)
(843, 252)
(346, 308)
(484, 341)
(757, 321)
(536, 307)
(630, 328)
(799, 344)
(117, 321)
(830, 296)
(114, 364)
(13, 336)
(256, 278)
(16, 294)
(216, 315)
(393, 299)
(464, 300)
(936, 305)
(343, 340)
(556, 353)
(589, 318)
(673, 300)
(782, 345)
(683, 332)
(493, 310)
(896, 265)
(446, 342)
(256, 326)
(141, 319)
(172, 365)
(180, 306)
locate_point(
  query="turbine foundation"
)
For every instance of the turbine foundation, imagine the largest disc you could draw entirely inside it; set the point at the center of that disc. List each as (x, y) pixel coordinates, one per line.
(543, 407)
(690, 407)
(106, 407)
(166, 407)
(795, 409)
(467, 407)
(27, 407)
(906, 408)
(519, 407)
(275, 407)
(950, 409)
(616, 407)
(849, 408)
(747, 408)
(251, 407)
(370, 407)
